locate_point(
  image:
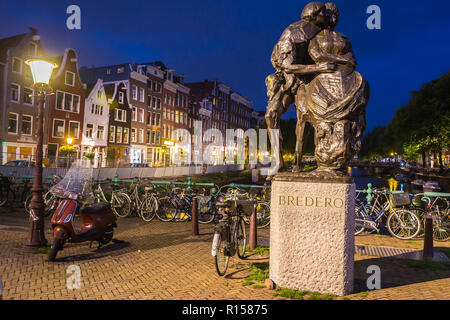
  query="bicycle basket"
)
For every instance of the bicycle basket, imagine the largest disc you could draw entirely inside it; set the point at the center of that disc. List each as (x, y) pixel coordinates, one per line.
(400, 199)
(245, 206)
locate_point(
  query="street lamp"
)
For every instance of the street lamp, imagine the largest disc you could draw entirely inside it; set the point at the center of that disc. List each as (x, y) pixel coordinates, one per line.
(41, 71)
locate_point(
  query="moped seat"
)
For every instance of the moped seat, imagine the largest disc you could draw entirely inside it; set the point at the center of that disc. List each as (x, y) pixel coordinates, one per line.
(96, 208)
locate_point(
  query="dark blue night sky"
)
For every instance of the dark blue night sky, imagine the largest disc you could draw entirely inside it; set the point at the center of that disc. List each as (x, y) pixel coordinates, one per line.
(232, 40)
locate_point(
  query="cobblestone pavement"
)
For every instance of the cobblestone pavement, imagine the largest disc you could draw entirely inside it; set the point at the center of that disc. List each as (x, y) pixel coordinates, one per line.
(163, 261)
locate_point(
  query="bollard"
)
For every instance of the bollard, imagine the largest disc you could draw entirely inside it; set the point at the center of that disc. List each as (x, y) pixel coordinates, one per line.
(428, 239)
(253, 230)
(194, 216)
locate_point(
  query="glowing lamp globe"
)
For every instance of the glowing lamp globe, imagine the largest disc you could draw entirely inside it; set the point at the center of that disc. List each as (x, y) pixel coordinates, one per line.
(41, 70)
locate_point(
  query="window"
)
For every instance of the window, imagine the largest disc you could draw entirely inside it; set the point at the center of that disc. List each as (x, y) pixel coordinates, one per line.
(158, 137)
(28, 96)
(141, 115)
(154, 119)
(176, 116)
(159, 104)
(17, 65)
(149, 101)
(112, 133)
(27, 125)
(121, 97)
(74, 129)
(149, 117)
(119, 135)
(141, 135)
(133, 114)
(133, 134)
(149, 132)
(108, 71)
(158, 119)
(120, 70)
(134, 92)
(99, 94)
(125, 135)
(154, 103)
(69, 78)
(120, 115)
(12, 122)
(89, 130)
(141, 95)
(58, 128)
(14, 92)
(67, 102)
(100, 132)
(68, 99)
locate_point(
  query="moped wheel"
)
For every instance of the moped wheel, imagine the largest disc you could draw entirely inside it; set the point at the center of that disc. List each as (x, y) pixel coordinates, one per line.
(57, 245)
(221, 258)
(107, 235)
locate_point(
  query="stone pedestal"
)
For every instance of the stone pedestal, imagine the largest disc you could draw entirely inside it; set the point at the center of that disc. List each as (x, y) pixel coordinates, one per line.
(312, 233)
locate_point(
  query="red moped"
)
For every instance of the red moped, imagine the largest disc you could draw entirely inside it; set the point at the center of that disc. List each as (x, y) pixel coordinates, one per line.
(97, 223)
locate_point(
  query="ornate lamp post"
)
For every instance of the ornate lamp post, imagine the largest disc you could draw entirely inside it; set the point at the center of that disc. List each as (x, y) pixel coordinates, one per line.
(41, 71)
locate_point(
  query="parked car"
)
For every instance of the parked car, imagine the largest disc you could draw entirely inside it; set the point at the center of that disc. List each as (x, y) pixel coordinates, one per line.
(19, 163)
(135, 165)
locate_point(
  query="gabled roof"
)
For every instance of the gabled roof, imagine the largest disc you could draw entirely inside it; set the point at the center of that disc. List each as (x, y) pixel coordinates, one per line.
(10, 42)
(90, 75)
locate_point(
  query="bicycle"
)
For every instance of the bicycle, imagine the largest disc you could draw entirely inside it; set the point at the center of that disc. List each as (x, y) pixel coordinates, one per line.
(149, 204)
(438, 206)
(51, 200)
(9, 187)
(120, 202)
(229, 235)
(402, 223)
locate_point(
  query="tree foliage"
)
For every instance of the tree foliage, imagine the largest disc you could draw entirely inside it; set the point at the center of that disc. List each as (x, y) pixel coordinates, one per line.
(422, 125)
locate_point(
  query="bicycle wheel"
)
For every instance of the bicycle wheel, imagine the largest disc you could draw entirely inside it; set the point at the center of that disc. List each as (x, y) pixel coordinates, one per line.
(360, 214)
(441, 226)
(241, 239)
(403, 224)
(166, 211)
(27, 202)
(263, 214)
(221, 258)
(120, 204)
(148, 208)
(206, 213)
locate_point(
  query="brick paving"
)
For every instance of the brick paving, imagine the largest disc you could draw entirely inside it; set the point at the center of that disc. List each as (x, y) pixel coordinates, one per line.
(163, 261)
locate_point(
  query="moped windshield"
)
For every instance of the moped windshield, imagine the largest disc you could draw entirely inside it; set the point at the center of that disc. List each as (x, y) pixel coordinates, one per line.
(78, 179)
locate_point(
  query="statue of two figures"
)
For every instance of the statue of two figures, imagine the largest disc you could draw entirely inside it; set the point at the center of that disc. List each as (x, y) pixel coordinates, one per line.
(315, 69)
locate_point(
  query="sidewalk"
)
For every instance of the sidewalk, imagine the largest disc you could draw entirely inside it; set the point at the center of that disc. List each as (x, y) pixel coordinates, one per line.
(163, 261)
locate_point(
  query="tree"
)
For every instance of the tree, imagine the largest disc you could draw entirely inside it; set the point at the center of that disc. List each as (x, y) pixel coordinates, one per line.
(422, 125)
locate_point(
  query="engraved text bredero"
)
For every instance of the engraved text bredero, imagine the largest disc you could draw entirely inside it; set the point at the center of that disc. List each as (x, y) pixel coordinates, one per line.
(319, 202)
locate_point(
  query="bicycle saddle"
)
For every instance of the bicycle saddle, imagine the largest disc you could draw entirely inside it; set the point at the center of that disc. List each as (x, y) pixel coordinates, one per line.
(96, 208)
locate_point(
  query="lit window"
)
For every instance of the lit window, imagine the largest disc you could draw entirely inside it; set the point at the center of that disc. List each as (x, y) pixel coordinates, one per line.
(134, 92)
(74, 129)
(89, 130)
(112, 133)
(119, 135)
(125, 135)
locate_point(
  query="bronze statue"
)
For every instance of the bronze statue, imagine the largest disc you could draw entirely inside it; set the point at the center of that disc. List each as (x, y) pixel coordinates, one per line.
(333, 101)
(291, 54)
